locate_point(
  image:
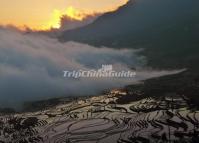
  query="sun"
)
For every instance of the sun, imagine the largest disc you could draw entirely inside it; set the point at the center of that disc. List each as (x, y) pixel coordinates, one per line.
(55, 22)
(70, 12)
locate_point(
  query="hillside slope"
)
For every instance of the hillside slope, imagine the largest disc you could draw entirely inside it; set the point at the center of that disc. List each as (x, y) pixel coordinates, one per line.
(166, 29)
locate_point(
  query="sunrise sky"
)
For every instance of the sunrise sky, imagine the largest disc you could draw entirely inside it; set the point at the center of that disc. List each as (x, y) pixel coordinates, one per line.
(44, 14)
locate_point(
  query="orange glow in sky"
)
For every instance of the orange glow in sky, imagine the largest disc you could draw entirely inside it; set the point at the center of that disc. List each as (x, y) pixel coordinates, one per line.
(46, 14)
(70, 12)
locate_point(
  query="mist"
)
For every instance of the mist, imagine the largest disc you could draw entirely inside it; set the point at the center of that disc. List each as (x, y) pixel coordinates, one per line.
(32, 65)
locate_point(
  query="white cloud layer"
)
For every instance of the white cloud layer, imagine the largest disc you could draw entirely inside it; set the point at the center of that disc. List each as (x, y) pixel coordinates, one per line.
(31, 67)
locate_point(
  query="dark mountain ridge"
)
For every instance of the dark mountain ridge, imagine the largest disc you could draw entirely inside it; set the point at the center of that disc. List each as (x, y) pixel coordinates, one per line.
(166, 29)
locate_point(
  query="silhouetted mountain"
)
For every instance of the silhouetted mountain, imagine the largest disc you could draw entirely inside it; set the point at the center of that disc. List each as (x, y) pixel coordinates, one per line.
(168, 30)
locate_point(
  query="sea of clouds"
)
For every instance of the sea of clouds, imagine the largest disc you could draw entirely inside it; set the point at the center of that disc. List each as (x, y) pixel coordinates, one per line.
(32, 65)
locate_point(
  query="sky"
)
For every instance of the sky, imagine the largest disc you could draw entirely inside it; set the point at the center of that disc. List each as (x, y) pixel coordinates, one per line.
(44, 14)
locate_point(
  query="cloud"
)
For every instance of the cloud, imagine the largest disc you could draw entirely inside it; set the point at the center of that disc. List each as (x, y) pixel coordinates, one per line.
(32, 65)
(68, 23)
